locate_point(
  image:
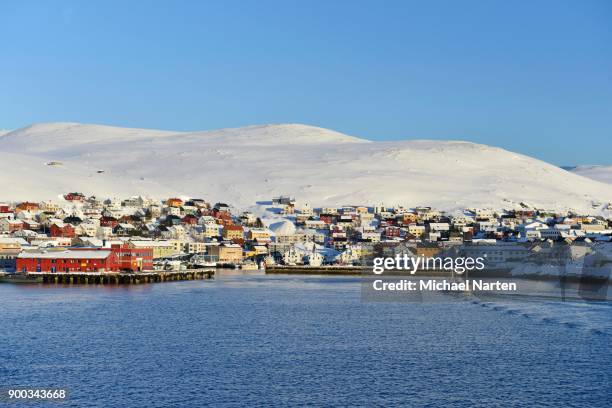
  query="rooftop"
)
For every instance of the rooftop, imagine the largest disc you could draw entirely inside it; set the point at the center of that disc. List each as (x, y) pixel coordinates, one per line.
(66, 254)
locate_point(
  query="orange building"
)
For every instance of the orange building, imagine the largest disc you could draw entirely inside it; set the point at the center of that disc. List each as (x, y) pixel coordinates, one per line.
(174, 202)
(27, 206)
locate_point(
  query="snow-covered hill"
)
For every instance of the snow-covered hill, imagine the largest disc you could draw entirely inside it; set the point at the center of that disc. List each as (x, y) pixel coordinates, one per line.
(599, 173)
(316, 165)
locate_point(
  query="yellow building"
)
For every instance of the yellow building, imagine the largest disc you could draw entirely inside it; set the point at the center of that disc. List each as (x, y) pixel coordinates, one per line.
(408, 218)
(258, 233)
(416, 230)
(226, 253)
(161, 249)
(12, 244)
(233, 232)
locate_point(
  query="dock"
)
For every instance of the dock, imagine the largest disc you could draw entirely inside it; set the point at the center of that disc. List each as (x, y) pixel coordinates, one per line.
(116, 278)
(318, 270)
(348, 270)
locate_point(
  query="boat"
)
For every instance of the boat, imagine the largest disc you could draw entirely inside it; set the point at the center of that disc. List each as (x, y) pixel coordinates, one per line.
(227, 265)
(203, 261)
(249, 266)
(205, 265)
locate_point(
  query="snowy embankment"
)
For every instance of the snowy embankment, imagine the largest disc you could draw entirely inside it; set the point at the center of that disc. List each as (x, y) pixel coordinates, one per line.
(319, 166)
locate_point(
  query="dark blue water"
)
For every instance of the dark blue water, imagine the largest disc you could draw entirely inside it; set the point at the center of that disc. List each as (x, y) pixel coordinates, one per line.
(286, 340)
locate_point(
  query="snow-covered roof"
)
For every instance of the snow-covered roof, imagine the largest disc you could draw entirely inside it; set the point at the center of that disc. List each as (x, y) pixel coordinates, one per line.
(284, 227)
(20, 241)
(150, 244)
(67, 254)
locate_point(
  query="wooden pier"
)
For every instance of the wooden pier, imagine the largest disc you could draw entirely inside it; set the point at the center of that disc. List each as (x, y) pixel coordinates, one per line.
(120, 278)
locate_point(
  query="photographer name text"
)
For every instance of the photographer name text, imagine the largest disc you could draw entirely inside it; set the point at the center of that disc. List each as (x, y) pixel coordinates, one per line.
(443, 285)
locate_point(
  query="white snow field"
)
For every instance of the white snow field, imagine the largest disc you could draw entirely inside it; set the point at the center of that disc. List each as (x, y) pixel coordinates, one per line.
(599, 173)
(319, 166)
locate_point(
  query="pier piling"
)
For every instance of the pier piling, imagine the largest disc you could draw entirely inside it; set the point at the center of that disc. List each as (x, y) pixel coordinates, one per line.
(120, 278)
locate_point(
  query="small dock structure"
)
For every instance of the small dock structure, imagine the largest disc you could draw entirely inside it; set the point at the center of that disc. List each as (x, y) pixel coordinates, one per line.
(118, 278)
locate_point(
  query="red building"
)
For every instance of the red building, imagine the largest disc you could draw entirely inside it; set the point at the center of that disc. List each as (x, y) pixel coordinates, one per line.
(5, 208)
(12, 225)
(392, 231)
(65, 261)
(74, 197)
(62, 230)
(109, 222)
(328, 218)
(30, 225)
(133, 259)
(190, 219)
(115, 259)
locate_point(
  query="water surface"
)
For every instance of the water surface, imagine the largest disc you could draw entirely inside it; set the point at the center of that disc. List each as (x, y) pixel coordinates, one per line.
(249, 340)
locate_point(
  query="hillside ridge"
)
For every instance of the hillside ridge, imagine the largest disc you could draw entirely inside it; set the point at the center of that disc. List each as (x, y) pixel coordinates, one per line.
(253, 163)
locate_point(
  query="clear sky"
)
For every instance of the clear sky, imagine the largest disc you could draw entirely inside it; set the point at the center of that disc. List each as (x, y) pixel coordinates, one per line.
(531, 76)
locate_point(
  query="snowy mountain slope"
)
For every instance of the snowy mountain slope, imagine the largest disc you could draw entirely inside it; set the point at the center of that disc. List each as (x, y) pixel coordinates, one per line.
(23, 176)
(64, 137)
(48, 137)
(316, 165)
(599, 173)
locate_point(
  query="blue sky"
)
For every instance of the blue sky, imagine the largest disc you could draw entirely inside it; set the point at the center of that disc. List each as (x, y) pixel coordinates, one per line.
(530, 76)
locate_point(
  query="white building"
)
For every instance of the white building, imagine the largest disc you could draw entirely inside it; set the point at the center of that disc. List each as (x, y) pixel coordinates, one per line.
(292, 256)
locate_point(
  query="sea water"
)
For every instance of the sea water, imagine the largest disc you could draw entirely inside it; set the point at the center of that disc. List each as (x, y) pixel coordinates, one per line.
(247, 339)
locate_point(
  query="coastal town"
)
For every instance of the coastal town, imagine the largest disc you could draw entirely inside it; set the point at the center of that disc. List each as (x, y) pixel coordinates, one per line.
(86, 234)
